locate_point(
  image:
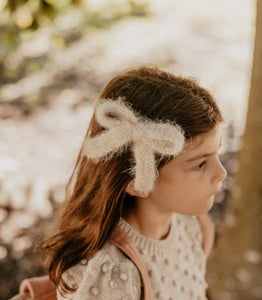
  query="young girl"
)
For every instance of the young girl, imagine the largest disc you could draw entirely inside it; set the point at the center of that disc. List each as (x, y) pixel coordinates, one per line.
(149, 166)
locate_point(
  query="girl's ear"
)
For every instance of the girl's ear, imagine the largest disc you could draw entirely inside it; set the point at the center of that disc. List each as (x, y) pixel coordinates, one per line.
(130, 190)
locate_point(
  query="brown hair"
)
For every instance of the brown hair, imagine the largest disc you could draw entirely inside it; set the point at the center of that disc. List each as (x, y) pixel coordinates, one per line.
(97, 198)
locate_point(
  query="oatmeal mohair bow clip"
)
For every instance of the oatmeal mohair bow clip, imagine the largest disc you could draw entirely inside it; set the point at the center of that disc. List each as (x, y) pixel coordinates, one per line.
(146, 137)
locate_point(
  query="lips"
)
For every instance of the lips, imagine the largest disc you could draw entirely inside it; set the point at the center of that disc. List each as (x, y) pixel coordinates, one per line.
(218, 188)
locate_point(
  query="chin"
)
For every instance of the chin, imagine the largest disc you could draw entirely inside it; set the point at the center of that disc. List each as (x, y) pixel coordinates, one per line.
(211, 202)
(206, 206)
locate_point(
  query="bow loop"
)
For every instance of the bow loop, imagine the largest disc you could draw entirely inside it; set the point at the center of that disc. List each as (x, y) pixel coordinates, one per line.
(110, 114)
(106, 143)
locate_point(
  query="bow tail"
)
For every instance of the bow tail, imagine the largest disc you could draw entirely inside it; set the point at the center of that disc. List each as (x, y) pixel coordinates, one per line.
(145, 170)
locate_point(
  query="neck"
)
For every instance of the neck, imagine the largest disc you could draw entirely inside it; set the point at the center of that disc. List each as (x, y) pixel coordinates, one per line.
(149, 222)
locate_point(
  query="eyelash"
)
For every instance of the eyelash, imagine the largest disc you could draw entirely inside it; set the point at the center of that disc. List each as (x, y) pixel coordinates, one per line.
(201, 165)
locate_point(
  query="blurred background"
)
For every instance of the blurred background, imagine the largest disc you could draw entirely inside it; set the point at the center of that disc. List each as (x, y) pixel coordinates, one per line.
(55, 58)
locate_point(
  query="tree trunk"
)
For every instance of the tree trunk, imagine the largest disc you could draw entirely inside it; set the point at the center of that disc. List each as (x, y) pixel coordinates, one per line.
(235, 265)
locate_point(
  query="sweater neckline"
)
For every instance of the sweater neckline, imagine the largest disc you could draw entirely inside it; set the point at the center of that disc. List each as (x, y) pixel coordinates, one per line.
(147, 245)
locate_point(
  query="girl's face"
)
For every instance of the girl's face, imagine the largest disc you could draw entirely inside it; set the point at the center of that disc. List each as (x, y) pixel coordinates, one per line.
(188, 183)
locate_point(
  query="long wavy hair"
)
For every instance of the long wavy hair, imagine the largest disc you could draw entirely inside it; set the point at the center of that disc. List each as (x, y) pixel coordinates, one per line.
(95, 192)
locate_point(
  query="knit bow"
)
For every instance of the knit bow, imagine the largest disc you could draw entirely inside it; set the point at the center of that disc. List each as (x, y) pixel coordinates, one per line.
(145, 136)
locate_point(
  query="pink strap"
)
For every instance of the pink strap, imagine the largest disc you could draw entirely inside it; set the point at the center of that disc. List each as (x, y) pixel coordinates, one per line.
(40, 288)
(122, 240)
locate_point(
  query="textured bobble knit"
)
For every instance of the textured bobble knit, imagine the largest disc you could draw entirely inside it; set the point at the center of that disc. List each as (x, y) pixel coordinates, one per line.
(176, 266)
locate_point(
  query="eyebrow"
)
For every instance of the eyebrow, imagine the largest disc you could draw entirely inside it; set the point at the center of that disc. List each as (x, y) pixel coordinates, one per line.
(204, 154)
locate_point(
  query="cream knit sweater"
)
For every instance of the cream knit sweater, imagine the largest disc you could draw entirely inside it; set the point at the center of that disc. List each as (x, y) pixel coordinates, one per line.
(176, 267)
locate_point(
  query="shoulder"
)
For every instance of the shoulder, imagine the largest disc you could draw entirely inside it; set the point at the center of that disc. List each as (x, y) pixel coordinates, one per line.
(108, 274)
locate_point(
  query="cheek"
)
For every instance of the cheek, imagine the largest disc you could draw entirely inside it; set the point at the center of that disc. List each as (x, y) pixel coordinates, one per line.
(191, 188)
(177, 186)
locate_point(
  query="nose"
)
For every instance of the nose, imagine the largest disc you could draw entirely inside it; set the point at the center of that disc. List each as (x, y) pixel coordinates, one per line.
(221, 172)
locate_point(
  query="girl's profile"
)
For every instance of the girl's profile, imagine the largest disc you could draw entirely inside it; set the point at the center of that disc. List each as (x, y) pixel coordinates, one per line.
(145, 177)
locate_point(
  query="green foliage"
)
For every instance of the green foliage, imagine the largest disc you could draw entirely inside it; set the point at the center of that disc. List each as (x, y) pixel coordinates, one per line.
(23, 24)
(30, 13)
